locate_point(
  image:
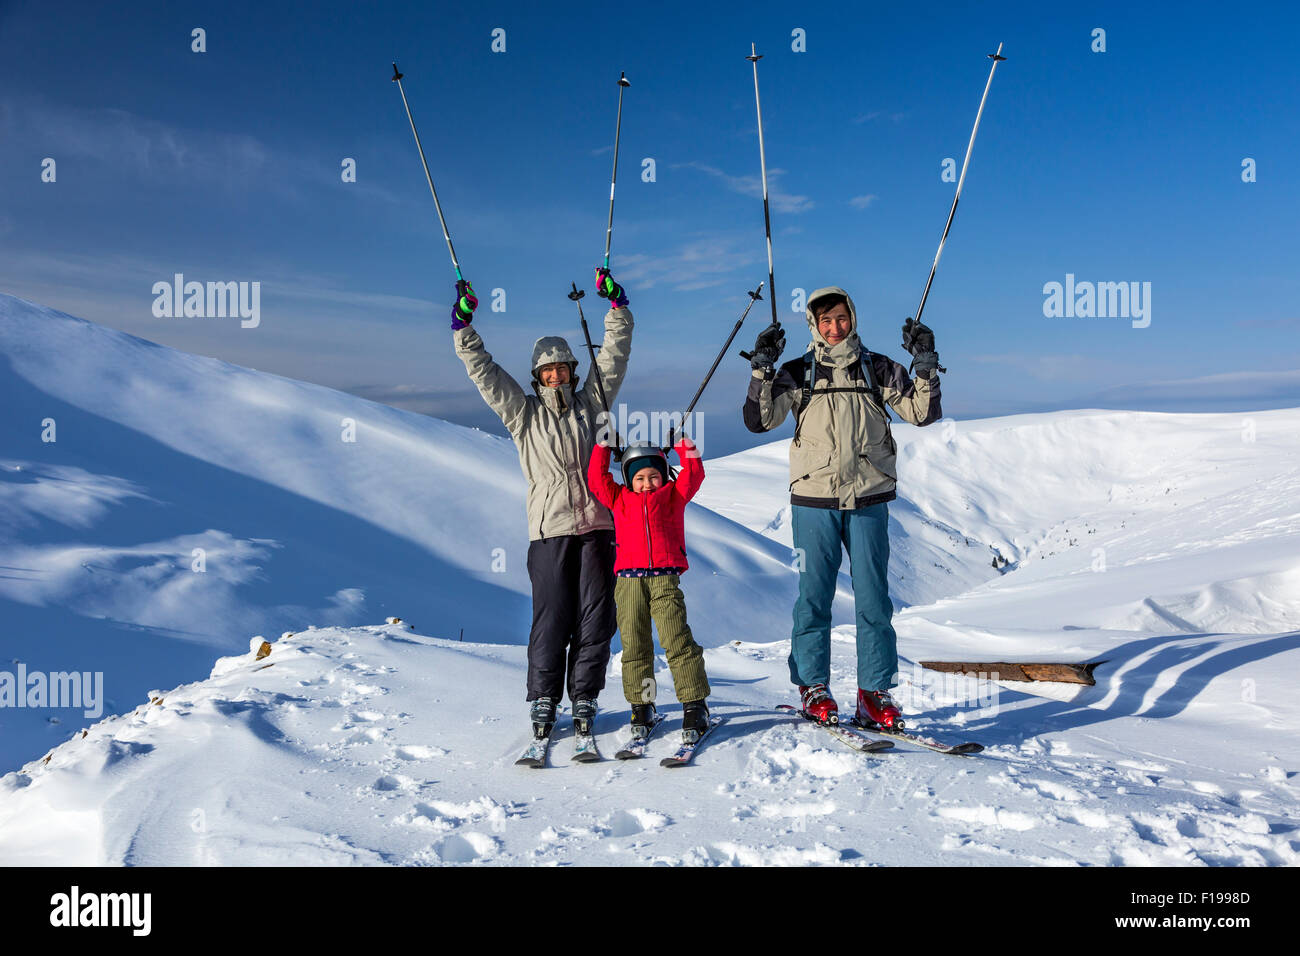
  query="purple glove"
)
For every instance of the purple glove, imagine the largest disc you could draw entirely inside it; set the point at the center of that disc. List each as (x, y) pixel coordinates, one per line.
(462, 313)
(607, 288)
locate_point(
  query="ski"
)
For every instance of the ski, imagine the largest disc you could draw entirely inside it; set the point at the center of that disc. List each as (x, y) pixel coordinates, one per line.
(635, 747)
(852, 738)
(584, 748)
(535, 755)
(686, 752)
(929, 743)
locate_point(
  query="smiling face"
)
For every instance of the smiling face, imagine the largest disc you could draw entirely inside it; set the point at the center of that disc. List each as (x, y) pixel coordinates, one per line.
(835, 323)
(557, 373)
(647, 479)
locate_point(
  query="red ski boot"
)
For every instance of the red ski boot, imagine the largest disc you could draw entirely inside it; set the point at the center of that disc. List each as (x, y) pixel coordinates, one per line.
(876, 708)
(819, 704)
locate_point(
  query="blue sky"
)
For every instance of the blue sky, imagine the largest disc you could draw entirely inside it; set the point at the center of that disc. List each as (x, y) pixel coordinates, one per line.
(225, 166)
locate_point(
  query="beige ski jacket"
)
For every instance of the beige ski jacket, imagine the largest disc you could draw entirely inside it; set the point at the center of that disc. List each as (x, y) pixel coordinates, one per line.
(843, 455)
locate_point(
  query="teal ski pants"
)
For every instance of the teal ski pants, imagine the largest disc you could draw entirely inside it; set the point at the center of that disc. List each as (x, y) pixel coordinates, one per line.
(820, 537)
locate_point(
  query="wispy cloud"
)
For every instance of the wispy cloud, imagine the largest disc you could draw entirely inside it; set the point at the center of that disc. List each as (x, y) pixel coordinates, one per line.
(162, 152)
(862, 202)
(1252, 389)
(122, 138)
(700, 264)
(781, 200)
(893, 117)
(1255, 388)
(134, 276)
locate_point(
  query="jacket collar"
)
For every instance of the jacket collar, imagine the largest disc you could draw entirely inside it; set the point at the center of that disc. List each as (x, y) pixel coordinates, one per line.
(558, 398)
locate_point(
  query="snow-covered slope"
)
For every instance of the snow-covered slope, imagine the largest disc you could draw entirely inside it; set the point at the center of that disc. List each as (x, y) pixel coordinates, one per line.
(304, 505)
(358, 746)
(380, 744)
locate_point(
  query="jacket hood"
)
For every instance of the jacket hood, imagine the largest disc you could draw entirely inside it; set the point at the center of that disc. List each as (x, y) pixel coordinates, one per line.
(552, 348)
(850, 344)
(548, 350)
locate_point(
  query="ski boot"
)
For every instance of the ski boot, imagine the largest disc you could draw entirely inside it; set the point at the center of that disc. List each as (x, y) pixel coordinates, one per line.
(542, 714)
(584, 716)
(876, 708)
(818, 704)
(695, 720)
(643, 719)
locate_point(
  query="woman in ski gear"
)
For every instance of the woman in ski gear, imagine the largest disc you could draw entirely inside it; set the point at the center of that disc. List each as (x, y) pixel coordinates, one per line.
(842, 474)
(649, 526)
(571, 536)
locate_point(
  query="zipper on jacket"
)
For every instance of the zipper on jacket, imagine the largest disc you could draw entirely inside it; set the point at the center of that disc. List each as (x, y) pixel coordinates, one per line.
(645, 512)
(830, 413)
(568, 471)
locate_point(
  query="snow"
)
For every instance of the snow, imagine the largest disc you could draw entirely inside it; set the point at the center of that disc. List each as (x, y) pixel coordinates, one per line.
(1163, 544)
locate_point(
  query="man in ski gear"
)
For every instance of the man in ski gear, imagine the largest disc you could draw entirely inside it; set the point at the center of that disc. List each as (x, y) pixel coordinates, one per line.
(842, 474)
(649, 526)
(571, 534)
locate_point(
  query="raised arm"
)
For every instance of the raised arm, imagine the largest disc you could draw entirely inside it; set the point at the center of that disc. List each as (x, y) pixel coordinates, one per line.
(916, 400)
(691, 476)
(502, 393)
(771, 397)
(615, 348)
(773, 391)
(602, 484)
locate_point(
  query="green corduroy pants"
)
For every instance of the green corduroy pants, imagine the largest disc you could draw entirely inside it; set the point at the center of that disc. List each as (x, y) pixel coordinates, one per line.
(660, 599)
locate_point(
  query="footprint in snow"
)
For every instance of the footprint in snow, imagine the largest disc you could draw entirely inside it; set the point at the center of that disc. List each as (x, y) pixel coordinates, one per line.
(394, 782)
(418, 752)
(367, 736)
(466, 847)
(625, 823)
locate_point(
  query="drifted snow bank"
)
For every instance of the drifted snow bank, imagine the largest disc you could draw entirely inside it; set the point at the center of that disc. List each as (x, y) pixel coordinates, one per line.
(376, 745)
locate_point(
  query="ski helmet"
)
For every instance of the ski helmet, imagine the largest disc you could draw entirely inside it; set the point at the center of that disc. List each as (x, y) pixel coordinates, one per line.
(636, 457)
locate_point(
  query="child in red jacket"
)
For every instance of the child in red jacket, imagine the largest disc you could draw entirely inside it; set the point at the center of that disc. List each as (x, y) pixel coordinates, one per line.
(650, 558)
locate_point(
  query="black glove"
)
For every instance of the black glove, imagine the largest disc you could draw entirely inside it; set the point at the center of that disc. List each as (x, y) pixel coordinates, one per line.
(768, 348)
(918, 339)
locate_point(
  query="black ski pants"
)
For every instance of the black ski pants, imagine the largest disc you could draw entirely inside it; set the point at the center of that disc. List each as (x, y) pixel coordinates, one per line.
(573, 614)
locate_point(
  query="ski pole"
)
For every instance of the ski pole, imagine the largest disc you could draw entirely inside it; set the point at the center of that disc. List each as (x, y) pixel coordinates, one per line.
(397, 78)
(753, 297)
(623, 84)
(996, 58)
(753, 58)
(576, 295)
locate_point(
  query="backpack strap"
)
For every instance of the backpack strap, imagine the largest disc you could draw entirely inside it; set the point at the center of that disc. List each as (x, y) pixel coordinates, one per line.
(808, 374)
(868, 375)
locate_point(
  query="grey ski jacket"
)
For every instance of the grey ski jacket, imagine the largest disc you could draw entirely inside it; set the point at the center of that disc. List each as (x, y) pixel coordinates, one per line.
(554, 428)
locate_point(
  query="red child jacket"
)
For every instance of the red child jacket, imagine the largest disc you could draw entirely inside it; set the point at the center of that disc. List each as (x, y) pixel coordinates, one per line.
(648, 527)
